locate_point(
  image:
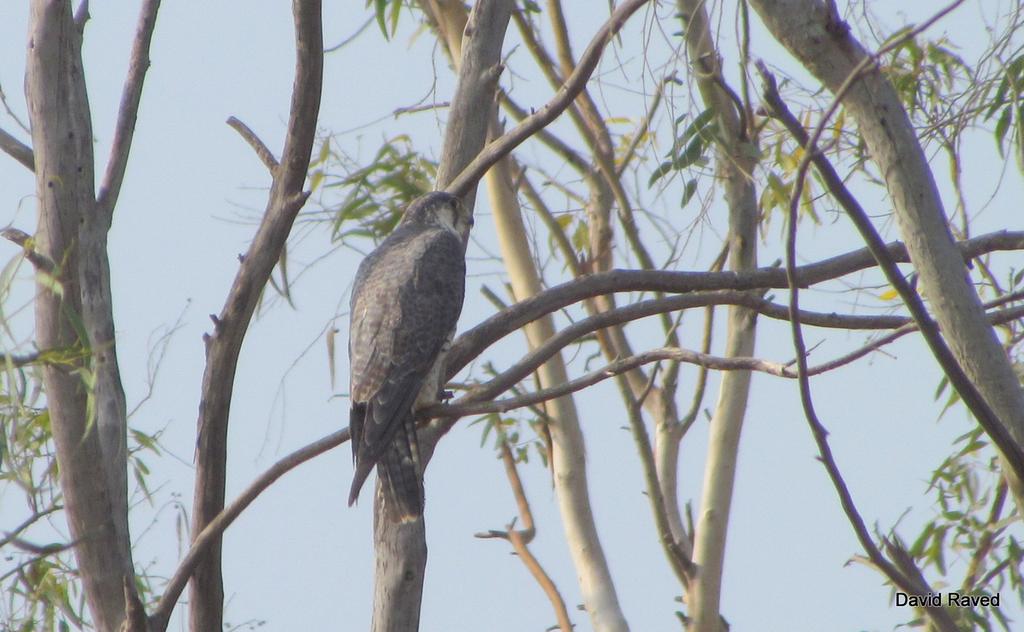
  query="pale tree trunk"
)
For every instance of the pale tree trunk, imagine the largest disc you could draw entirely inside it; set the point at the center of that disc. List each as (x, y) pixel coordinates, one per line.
(568, 454)
(75, 286)
(824, 45)
(568, 451)
(606, 192)
(401, 548)
(734, 166)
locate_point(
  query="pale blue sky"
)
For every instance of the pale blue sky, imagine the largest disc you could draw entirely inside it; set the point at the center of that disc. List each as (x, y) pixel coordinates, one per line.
(299, 558)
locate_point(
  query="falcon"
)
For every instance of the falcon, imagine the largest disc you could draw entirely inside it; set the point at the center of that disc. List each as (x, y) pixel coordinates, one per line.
(405, 303)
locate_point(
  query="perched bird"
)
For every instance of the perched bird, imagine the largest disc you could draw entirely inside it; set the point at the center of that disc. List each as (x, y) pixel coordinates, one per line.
(405, 303)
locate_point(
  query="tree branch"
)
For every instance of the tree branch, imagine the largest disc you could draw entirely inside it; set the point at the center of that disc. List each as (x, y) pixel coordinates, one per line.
(262, 151)
(466, 406)
(400, 547)
(500, 147)
(131, 96)
(520, 539)
(215, 528)
(470, 343)
(826, 47)
(899, 578)
(223, 345)
(87, 419)
(972, 398)
(17, 150)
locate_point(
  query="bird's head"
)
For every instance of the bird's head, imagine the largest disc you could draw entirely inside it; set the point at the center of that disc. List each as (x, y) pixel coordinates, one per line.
(438, 208)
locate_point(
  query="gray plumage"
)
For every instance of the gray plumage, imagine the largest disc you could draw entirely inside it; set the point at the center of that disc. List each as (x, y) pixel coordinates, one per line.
(405, 304)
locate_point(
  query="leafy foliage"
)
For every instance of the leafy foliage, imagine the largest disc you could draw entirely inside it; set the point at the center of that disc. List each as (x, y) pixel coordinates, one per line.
(374, 194)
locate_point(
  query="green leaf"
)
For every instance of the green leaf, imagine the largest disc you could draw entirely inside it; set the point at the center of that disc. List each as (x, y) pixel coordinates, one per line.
(396, 8)
(380, 7)
(691, 188)
(663, 168)
(315, 179)
(1002, 125)
(699, 124)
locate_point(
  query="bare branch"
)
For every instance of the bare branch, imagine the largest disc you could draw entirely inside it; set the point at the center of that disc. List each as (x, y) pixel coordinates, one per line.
(11, 535)
(520, 538)
(896, 573)
(679, 554)
(87, 421)
(131, 96)
(472, 406)
(223, 345)
(38, 260)
(262, 151)
(470, 343)
(17, 150)
(499, 147)
(216, 527)
(994, 427)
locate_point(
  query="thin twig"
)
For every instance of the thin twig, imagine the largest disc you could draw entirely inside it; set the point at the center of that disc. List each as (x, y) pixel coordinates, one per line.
(820, 434)
(262, 151)
(678, 557)
(413, 109)
(641, 129)
(498, 148)
(11, 535)
(1012, 452)
(520, 538)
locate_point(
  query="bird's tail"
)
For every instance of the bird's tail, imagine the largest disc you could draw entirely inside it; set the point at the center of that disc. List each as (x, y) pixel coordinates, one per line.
(400, 476)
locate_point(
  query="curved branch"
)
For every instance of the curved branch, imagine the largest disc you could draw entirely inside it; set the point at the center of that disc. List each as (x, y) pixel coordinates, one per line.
(500, 147)
(216, 527)
(469, 344)
(529, 363)
(999, 431)
(262, 151)
(520, 538)
(895, 572)
(467, 406)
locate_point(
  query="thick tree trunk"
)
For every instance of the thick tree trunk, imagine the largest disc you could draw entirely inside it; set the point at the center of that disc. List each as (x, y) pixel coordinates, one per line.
(824, 45)
(74, 315)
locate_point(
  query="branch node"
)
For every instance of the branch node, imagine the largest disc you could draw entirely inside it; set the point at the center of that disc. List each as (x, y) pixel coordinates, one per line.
(38, 260)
